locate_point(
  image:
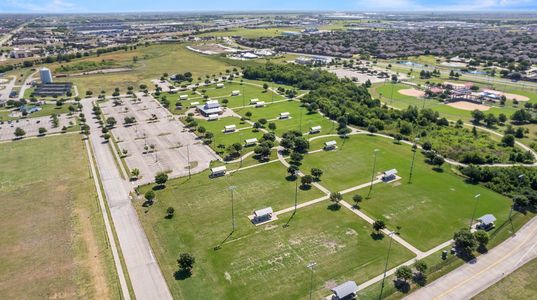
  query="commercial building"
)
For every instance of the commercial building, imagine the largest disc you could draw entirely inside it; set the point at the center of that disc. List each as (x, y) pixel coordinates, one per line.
(45, 75)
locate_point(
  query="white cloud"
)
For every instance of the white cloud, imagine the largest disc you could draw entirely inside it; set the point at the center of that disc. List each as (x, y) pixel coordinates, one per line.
(457, 5)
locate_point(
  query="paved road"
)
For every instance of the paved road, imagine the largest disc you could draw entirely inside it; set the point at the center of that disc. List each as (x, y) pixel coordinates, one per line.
(147, 280)
(472, 278)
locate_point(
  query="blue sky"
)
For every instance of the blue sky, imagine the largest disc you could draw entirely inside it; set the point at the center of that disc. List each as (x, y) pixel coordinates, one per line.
(65, 6)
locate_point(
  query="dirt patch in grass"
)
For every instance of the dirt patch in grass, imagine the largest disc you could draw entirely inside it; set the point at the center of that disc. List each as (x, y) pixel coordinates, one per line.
(468, 106)
(412, 93)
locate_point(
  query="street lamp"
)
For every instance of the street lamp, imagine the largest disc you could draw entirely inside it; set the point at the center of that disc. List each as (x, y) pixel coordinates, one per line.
(475, 207)
(232, 189)
(415, 149)
(373, 174)
(310, 266)
(386, 264)
(296, 191)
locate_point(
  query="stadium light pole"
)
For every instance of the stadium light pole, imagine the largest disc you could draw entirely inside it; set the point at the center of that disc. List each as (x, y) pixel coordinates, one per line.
(414, 149)
(232, 189)
(475, 208)
(310, 266)
(296, 191)
(386, 264)
(373, 173)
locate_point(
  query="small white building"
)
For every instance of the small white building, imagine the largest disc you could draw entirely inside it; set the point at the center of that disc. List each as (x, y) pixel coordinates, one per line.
(213, 117)
(218, 171)
(183, 97)
(330, 145)
(235, 93)
(315, 129)
(345, 290)
(254, 101)
(219, 85)
(389, 175)
(193, 104)
(260, 104)
(284, 115)
(230, 128)
(262, 215)
(250, 142)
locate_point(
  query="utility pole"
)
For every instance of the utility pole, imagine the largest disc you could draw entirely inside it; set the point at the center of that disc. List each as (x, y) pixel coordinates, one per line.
(414, 149)
(475, 207)
(373, 174)
(386, 264)
(310, 266)
(232, 189)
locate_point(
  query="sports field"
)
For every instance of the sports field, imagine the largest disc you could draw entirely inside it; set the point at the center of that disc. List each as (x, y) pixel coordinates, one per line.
(269, 260)
(299, 118)
(429, 210)
(52, 242)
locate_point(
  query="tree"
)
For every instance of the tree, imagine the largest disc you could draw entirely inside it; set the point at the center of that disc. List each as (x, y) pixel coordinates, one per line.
(438, 161)
(478, 116)
(248, 114)
(150, 196)
(169, 212)
(316, 173)
(403, 273)
(336, 197)
(111, 121)
(42, 130)
(378, 225)
(482, 238)
(306, 180)
(161, 178)
(135, 173)
(265, 86)
(421, 266)
(19, 132)
(272, 126)
(465, 241)
(508, 140)
(357, 199)
(292, 170)
(186, 262)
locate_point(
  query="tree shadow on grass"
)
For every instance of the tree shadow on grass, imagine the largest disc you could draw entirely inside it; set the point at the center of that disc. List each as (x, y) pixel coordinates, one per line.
(305, 187)
(377, 236)
(159, 187)
(402, 286)
(334, 207)
(291, 177)
(420, 279)
(438, 170)
(182, 274)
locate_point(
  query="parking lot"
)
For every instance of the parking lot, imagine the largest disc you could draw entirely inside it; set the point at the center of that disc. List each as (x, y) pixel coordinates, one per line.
(156, 142)
(31, 126)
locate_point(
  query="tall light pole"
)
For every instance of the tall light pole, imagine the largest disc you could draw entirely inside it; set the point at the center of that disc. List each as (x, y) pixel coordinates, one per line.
(310, 266)
(296, 191)
(414, 149)
(373, 173)
(386, 264)
(232, 189)
(475, 207)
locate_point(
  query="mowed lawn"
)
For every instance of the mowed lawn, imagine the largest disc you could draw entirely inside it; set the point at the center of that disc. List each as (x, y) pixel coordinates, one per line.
(221, 138)
(429, 210)
(519, 285)
(299, 118)
(247, 92)
(52, 242)
(268, 261)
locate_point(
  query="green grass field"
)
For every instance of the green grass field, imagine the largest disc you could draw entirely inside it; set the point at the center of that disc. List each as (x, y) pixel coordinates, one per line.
(251, 33)
(429, 210)
(299, 119)
(268, 260)
(52, 242)
(247, 92)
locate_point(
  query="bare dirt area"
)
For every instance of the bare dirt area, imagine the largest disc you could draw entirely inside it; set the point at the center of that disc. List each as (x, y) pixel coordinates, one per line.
(516, 97)
(464, 105)
(157, 142)
(412, 92)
